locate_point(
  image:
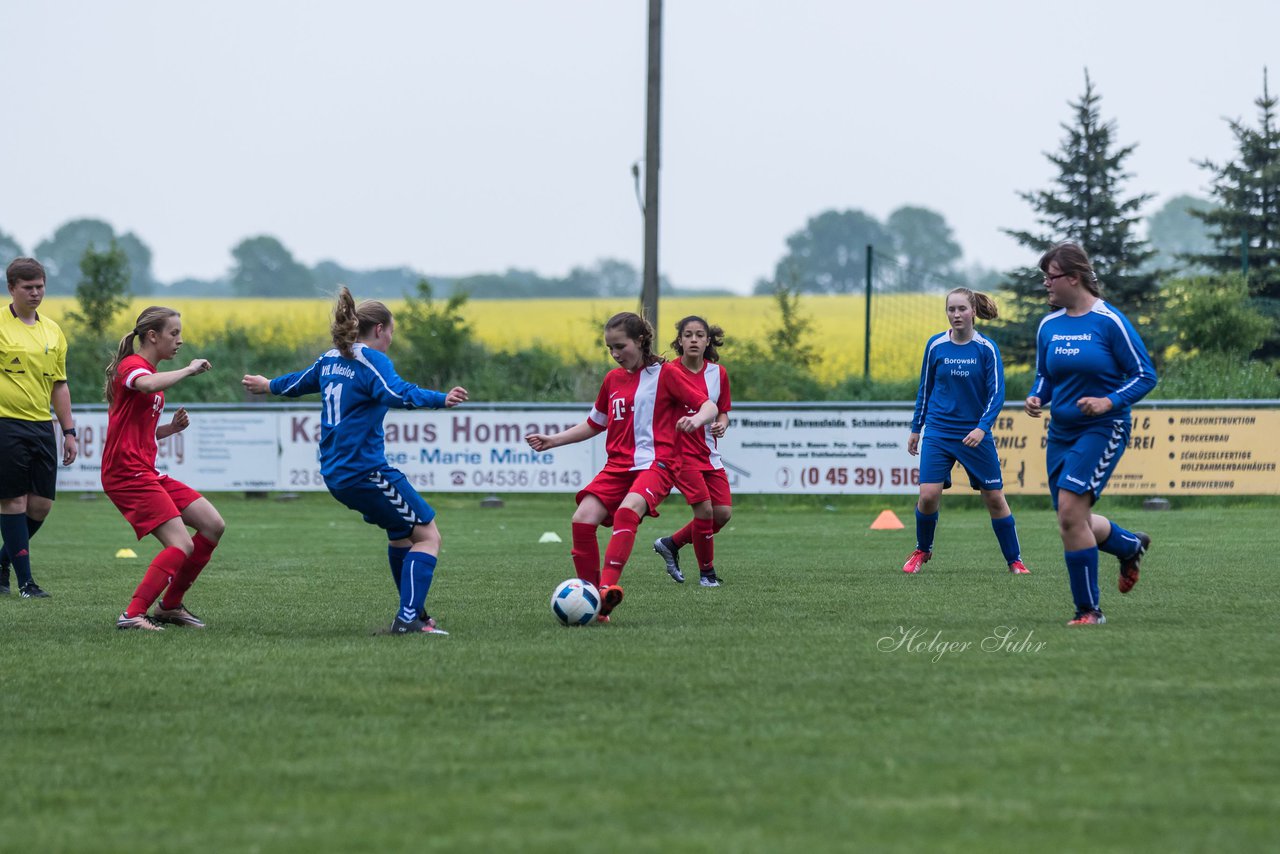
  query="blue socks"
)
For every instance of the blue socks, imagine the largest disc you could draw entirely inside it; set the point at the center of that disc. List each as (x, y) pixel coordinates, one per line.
(925, 526)
(1007, 535)
(415, 580)
(1082, 566)
(1121, 543)
(17, 542)
(395, 557)
(1082, 571)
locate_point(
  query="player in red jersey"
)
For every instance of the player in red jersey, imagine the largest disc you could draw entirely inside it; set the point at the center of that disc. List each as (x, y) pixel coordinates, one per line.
(701, 479)
(642, 406)
(155, 503)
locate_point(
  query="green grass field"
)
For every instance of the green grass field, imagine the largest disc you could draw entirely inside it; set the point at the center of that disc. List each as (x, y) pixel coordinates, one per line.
(767, 715)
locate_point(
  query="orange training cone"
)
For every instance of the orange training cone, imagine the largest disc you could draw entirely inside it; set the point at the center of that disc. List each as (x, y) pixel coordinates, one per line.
(886, 521)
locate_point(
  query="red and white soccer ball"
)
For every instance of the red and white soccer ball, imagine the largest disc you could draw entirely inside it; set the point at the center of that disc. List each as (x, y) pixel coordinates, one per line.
(575, 602)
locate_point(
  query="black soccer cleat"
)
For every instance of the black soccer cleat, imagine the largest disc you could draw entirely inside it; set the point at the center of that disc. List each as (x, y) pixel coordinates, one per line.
(416, 627)
(31, 590)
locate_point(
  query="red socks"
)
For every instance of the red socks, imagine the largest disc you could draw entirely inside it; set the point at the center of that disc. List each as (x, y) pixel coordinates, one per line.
(186, 576)
(684, 536)
(171, 573)
(704, 544)
(165, 566)
(586, 553)
(695, 532)
(625, 523)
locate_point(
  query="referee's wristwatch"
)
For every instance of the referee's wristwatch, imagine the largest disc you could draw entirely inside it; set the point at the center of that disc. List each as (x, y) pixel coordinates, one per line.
(70, 431)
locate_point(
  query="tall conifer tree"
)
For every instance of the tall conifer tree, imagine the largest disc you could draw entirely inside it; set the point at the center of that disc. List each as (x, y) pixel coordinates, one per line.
(1245, 226)
(1085, 206)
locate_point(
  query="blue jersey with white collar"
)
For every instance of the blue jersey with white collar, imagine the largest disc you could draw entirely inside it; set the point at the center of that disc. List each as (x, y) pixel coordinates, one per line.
(356, 394)
(961, 386)
(1097, 354)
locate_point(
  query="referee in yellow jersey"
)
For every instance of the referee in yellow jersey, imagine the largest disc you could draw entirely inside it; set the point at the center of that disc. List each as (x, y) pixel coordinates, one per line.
(33, 377)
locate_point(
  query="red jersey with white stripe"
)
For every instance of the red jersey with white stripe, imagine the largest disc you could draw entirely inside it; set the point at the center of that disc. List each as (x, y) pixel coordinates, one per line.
(639, 411)
(701, 450)
(130, 448)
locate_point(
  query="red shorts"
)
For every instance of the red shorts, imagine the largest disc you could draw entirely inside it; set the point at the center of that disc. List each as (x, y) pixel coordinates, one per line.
(699, 486)
(654, 485)
(149, 500)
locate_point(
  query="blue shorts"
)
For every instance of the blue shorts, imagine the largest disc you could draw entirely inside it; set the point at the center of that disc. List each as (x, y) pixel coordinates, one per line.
(386, 499)
(1083, 461)
(938, 454)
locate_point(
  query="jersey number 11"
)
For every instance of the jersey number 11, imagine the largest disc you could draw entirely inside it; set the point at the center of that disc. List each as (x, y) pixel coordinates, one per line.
(333, 404)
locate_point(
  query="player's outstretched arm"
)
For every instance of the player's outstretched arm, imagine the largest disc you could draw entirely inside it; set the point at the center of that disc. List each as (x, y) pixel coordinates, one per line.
(576, 433)
(295, 384)
(256, 384)
(152, 383)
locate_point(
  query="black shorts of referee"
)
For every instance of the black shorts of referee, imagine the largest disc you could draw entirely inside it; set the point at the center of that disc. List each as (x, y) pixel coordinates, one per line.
(29, 462)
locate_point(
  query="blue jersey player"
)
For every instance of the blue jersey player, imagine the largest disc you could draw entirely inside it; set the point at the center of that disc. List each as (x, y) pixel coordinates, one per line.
(1091, 366)
(358, 384)
(961, 392)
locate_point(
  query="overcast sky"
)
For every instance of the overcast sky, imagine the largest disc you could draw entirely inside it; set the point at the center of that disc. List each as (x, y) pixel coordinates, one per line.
(462, 136)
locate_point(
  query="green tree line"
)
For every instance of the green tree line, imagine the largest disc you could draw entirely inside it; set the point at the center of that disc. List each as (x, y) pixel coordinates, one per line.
(1208, 318)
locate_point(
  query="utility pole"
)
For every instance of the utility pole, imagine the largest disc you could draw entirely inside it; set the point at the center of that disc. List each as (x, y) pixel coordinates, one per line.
(649, 290)
(866, 326)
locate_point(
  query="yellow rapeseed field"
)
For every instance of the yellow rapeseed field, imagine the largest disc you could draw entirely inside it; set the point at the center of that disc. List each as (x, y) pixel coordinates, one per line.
(900, 324)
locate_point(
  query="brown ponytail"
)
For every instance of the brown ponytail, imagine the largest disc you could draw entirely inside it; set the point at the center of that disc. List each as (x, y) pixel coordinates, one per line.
(351, 322)
(984, 307)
